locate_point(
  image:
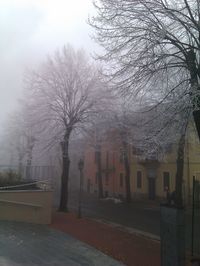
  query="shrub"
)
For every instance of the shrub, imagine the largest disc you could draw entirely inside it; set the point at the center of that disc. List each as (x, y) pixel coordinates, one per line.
(11, 178)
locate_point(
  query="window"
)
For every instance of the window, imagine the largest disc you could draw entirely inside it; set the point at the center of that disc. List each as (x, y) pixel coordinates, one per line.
(107, 178)
(96, 178)
(139, 179)
(137, 151)
(121, 156)
(166, 181)
(121, 180)
(95, 156)
(107, 159)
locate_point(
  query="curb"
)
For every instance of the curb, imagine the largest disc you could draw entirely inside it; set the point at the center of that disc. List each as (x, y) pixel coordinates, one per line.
(129, 229)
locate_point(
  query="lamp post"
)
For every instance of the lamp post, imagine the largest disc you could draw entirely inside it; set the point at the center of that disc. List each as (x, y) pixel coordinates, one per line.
(80, 167)
(196, 115)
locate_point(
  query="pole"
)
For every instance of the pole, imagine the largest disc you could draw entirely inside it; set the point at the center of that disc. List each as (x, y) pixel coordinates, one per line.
(80, 195)
(193, 202)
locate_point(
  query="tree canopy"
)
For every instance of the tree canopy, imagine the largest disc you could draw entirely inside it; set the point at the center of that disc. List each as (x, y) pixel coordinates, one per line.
(64, 94)
(151, 46)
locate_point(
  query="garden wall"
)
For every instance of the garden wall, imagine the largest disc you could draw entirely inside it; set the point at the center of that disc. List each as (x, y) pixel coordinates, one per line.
(34, 206)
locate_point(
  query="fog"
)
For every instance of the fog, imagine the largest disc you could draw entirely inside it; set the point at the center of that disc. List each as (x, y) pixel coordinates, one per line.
(29, 31)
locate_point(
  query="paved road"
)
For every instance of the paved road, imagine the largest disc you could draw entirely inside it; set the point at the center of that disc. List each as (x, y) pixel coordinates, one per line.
(35, 245)
(139, 215)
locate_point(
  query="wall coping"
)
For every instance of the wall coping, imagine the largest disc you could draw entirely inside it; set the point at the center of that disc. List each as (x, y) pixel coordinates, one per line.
(25, 191)
(20, 203)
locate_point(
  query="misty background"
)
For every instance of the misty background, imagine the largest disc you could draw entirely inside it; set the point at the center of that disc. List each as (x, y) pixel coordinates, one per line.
(30, 30)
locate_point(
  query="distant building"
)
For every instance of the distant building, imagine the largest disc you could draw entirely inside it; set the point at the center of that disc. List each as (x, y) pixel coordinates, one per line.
(151, 177)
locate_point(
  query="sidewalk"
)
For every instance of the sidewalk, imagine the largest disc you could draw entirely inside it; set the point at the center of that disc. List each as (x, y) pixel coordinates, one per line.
(126, 247)
(25, 244)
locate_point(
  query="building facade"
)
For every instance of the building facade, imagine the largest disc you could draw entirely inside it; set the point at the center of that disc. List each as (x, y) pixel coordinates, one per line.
(149, 178)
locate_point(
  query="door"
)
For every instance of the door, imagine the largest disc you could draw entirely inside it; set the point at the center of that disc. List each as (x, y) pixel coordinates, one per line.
(152, 188)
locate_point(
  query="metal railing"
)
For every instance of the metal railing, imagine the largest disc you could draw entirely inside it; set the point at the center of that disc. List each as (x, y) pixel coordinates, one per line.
(44, 185)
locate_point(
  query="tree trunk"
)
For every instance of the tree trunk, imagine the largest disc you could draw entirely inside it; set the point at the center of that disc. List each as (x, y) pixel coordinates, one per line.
(31, 142)
(194, 81)
(20, 166)
(28, 166)
(194, 72)
(20, 169)
(127, 174)
(179, 171)
(99, 171)
(65, 174)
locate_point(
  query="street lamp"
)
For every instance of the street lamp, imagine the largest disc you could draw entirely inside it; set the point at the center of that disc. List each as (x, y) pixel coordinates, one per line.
(80, 167)
(196, 115)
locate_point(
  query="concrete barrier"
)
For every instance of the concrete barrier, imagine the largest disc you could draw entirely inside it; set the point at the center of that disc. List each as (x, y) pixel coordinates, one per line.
(33, 206)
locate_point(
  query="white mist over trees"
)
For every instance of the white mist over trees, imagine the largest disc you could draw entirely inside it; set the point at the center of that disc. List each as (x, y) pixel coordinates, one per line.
(64, 94)
(19, 139)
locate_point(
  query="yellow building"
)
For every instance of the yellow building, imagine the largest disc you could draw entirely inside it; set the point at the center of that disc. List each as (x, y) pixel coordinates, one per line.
(152, 178)
(149, 179)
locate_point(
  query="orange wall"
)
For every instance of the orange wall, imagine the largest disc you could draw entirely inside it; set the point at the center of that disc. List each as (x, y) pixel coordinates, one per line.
(113, 185)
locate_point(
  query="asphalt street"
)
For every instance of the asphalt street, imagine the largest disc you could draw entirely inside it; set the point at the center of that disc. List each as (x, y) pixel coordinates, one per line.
(140, 215)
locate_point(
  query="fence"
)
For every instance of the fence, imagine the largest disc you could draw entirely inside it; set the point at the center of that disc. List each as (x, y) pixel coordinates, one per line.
(38, 172)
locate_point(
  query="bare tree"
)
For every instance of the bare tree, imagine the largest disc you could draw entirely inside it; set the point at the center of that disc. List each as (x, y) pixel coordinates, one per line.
(146, 39)
(154, 46)
(95, 137)
(97, 134)
(65, 94)
(113, 125)
(19, 137)
(122, 123)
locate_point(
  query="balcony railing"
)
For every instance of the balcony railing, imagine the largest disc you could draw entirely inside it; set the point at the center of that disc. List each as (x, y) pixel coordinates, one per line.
(148, 159)
(108, 170)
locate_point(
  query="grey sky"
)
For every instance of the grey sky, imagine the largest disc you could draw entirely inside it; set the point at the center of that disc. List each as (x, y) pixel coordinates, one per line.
(31, 29)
